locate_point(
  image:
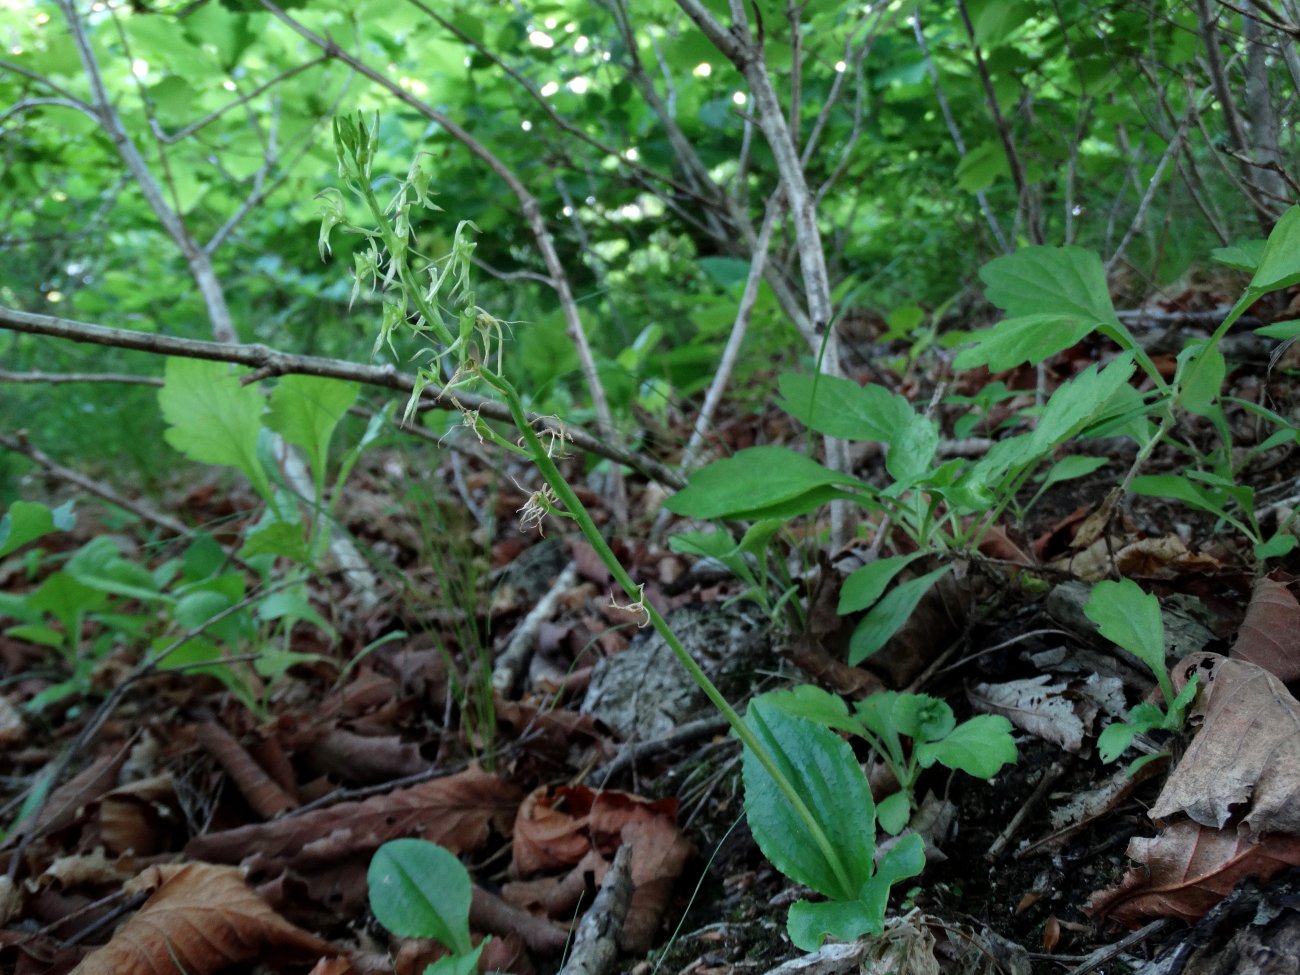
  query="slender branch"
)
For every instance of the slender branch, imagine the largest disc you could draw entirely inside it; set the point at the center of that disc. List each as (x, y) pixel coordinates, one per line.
(731, 353)
(272, 362)
(954, 131)
(1139, 218)
(40, 79)
(200, 266)
(1004, 129)
(29, 103)
(20, 445)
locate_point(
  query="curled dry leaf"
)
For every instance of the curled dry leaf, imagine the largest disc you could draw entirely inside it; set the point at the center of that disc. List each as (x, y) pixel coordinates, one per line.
(1188, 869)
(1037, 705)
(558, 828)
(1246, 756)
(200, 918)
(455, 811)
(1267, 636)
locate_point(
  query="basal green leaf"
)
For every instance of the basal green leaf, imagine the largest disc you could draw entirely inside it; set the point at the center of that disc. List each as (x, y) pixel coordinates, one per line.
(305, 411)
(420, 890)
(810, 923)
(821, 766)
(1243, 255)
(889, 615)
(867, 584)
(1114, 740)
(754, 479)
(1180, 489)
(978, 747)
(1072, 467)
(1065, 281)
(841, 408)
(1130, 618)
(1024, 338)
(1279, 265)
(904, 859)
(1280, 544)
(26, 521)
(212, 419)
(893, 812)
(1201, 373)
(99, 565)
(813, 704)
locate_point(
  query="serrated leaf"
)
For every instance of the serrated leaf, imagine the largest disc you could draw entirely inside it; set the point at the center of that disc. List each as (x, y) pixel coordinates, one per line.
(1114, 740)
(841, 408)
(1075, 403)
(979, 746)
(305, 410)
(1024, 339)
(753, 480)
(821, 766)
(1129, 618)
(420, 890)
(888, 616)
(212, 419)
(1067, 281)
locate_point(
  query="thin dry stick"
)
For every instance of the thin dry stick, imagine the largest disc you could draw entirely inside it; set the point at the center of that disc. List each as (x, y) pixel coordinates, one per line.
(19, 445)
(1004, 130)
(272, 362)
(745, 311)
(1139, 218)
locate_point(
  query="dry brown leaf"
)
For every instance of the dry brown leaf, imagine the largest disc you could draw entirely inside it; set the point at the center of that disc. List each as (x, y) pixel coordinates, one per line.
(557, 828)
(1268, 634)
(135, 818)
(200, 918)
(456, 812)
(1037, 706)
(1246, 756)
(1188, 869)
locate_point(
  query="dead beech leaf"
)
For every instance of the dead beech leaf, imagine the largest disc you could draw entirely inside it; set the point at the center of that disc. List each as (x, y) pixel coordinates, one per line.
(455, 811)
(1035, 705)
(558, 828)
(1188, 869)
(1246, 756)
(1270, 634)
(201, 918)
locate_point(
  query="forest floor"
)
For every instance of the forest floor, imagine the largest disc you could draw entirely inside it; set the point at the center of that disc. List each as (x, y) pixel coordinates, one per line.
(481, 703)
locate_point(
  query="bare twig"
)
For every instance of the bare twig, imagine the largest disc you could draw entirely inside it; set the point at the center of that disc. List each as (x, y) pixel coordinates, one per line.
(279, 363)
(511, 662)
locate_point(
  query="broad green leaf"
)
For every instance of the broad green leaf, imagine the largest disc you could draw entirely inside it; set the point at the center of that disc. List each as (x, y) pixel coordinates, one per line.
(1129, 618)
(1114, 740)
(420, 890)
(978, 747)
(466, 964)
(982, 166)
(1279, 265)
(1074, 405)
(911, 450)
(867, 584)
(66, 599)
(893, 812)
(813, 704)
(305, 411)
(26, 521)
(212, 419)
(38, 633)
(1069, 282)
(99, 565)
(1244, 255)
(754, 479)
(841, 408)
(1280, 330)
(821, 766)
(888, 616)
(1179, 488)
(904, 859)
(1072, 467)
(810, 923)
(1024, 338)
(1202, 371)
(1280, 544)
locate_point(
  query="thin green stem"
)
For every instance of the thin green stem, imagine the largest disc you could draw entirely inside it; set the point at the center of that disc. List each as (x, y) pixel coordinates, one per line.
(569, 498)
